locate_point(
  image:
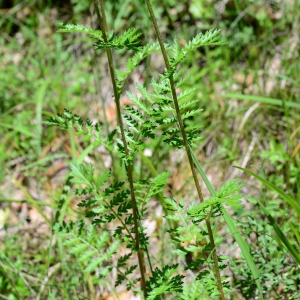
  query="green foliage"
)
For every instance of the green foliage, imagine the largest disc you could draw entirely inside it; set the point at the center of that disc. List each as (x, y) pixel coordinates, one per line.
(146, 189)
(153, 111)
(280, 192)
(190, 233)
(134, 61)
(226, 194)
(164, 282)
(156, 112)
(129, 39)
(280, 235)
(192, 290)
(86, 128)
(30, 92)
(209, 38)
(90, 249)
(77, 28)
(275, 267)
(106, 203)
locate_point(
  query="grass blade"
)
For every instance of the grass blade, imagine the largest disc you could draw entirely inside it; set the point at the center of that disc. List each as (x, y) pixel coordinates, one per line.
(265, 100)
(233, 229)
(280, 192)
(284, 77)
(279, 233)
(295, 232)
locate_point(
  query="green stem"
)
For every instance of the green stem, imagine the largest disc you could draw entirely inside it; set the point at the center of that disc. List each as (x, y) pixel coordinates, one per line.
(140, 252)
(186, 145)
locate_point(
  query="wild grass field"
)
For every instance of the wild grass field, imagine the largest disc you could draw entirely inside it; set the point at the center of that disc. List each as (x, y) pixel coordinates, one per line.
(242, 91)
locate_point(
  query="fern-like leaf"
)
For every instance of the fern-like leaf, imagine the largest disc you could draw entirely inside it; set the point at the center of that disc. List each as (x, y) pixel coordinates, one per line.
(86, 128)
(192, 291)
(102, 179)
(191, 113)
(211, 37)
(129, 40)
(163, 282)
(226, 194)
(82, 174)
(72, 28)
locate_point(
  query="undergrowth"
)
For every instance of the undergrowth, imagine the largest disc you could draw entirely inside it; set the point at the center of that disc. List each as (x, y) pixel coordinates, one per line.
(107, 240)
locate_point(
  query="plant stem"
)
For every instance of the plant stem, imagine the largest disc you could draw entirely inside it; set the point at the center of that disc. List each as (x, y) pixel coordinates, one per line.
(187, 147)
(140, 252)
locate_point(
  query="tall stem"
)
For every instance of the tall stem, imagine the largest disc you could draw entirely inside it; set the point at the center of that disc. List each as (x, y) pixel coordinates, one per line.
(140, 252)
(187, 147)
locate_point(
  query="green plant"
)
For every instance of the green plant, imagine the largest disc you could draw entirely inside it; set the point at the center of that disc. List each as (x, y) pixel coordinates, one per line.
(77, 258)
(153, 116)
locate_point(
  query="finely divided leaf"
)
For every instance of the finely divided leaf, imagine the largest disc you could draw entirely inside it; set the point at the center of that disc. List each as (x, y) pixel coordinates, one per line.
(82, 174)
(72, 28)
